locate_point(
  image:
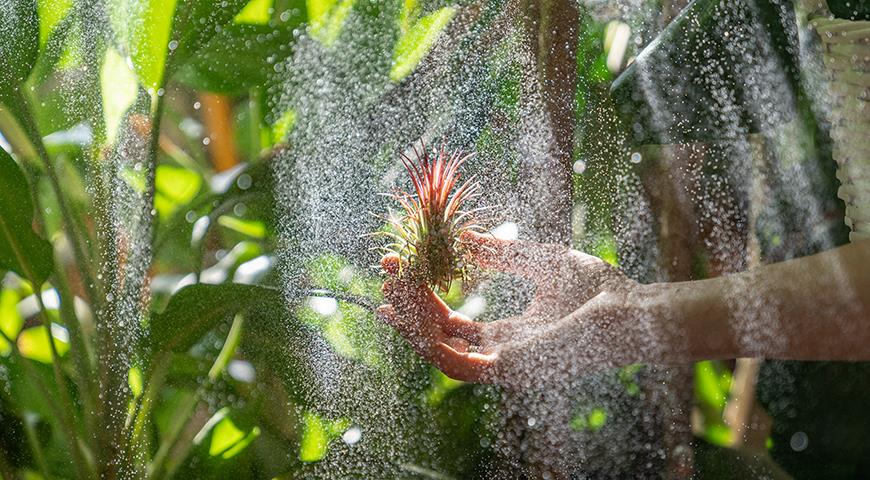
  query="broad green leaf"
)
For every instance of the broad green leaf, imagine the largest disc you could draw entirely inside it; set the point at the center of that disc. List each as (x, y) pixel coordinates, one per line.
(161, 34)
(21, 250)
(175, 187)
(33, 344)
(238, 58)
(712, 384)
(19, 47)
(51, 12)
(196, 309)
(327, 17)
(257, 12)
(228, 440)
(282, 126)
(316, 435)
(119, 88)
(251, 228)
(10, 320)
(415, 43)
(149, 33)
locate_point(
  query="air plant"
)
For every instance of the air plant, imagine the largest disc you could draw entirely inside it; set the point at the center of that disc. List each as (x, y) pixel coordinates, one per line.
(425, 233)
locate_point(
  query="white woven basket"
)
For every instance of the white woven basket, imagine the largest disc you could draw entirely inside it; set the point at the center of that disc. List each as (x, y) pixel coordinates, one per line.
(846, 54)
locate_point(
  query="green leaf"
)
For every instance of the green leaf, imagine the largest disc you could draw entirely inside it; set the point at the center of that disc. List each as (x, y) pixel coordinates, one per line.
(316, 435)
(327, 17)
(10, 320)
(161, 34)
(51, 12)
(415, 43)
(148, 38)
(238, 58)
(33, 344)
(712, 383)
(21, 250)
(251, 228)
(228, 440)
(196, 309)
(119, 89)
(19, 24)
(175, 187)
(257, 12)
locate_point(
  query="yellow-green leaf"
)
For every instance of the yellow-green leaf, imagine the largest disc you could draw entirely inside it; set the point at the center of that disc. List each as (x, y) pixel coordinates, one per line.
(326, 17)
(33, 344)
(118, 84)
(256, 12)
(175, 188)
(414, 44)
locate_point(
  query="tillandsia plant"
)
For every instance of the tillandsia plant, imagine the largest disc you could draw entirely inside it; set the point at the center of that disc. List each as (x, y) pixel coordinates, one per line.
(425, 233)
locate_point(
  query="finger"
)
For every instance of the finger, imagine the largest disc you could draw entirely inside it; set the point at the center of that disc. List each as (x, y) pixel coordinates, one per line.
(458, 325)
(465, 366)
(459, 344)
(535, 261)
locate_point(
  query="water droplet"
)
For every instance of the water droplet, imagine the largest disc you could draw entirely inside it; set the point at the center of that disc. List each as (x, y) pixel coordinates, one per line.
(197, 105)
(352, 435)
(799, 441)
(244, 181)
(636, 157)
(206, 141)
(579, 167)
(173, 44)
(531, 421)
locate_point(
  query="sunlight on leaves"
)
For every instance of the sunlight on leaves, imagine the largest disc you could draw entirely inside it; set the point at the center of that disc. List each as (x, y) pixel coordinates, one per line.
(327, 17)
(135, 382)
(150, 29)
(317, 433)
(175, 188)
(712, 384)
(51, 12)
(282, 126)
(440, 387)
(227, 440)
(10, 320)
(414, 44)
(34, 345)
(257, 12)
(251, 228)
(591, 421)
(118, 85)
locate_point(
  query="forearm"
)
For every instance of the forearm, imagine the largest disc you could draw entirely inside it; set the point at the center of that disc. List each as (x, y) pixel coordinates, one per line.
(811, 308)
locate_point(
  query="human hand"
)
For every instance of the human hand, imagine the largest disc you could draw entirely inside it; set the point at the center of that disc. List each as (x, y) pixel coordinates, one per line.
(573, 291)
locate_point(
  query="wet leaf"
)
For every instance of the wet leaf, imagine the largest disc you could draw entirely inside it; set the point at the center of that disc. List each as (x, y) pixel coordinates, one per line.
(327, 17)
(238, 58)
(414, 44)
(51, 12)
(119, 90)
(196, 309)
(19, 26)
(162, 34)
(21, 250)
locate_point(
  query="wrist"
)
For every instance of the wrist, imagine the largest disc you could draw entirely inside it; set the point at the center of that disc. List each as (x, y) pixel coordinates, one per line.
(690, 320)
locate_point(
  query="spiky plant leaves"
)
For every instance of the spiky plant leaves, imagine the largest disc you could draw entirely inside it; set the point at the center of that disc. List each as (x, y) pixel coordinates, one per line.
(425, 233)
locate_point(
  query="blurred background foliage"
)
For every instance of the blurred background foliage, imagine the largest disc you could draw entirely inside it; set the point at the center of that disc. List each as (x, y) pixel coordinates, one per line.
(211, 391)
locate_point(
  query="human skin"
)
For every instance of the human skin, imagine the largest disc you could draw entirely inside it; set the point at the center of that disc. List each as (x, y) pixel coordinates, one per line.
(586, 315)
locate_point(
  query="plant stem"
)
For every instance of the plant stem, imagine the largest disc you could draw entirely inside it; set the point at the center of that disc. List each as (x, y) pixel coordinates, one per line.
(33, 440)
(21, 110)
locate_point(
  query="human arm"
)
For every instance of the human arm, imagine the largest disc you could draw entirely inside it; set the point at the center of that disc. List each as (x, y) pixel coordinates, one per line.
(585, 315)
